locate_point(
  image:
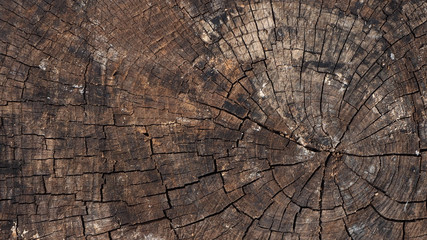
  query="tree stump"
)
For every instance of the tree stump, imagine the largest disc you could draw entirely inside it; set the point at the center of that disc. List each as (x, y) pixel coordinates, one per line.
(213, 119)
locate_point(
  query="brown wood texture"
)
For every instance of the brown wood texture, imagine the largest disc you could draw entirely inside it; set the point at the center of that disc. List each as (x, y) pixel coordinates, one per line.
(213, 119)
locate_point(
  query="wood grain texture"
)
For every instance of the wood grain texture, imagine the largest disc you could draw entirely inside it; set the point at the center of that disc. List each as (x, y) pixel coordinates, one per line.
(213, 119)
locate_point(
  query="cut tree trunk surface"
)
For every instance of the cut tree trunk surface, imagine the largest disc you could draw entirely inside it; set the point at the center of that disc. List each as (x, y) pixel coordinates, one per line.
(213, 119)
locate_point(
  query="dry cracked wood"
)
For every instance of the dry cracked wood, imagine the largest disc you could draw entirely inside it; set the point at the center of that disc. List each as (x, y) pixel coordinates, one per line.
(213, 119)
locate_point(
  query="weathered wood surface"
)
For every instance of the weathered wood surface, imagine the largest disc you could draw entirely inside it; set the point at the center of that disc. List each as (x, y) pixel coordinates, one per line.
(213, 119)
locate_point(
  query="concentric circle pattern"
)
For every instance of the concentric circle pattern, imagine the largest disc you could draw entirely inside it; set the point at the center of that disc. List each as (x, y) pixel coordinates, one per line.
(213, 119)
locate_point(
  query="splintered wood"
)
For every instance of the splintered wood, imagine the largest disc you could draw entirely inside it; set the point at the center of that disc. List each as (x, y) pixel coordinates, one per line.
(213, 119)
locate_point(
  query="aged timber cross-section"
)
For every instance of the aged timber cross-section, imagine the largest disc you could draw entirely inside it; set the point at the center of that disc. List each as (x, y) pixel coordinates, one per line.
(213, 119)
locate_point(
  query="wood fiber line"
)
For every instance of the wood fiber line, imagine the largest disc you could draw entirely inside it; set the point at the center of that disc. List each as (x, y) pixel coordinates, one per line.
(213, 119)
